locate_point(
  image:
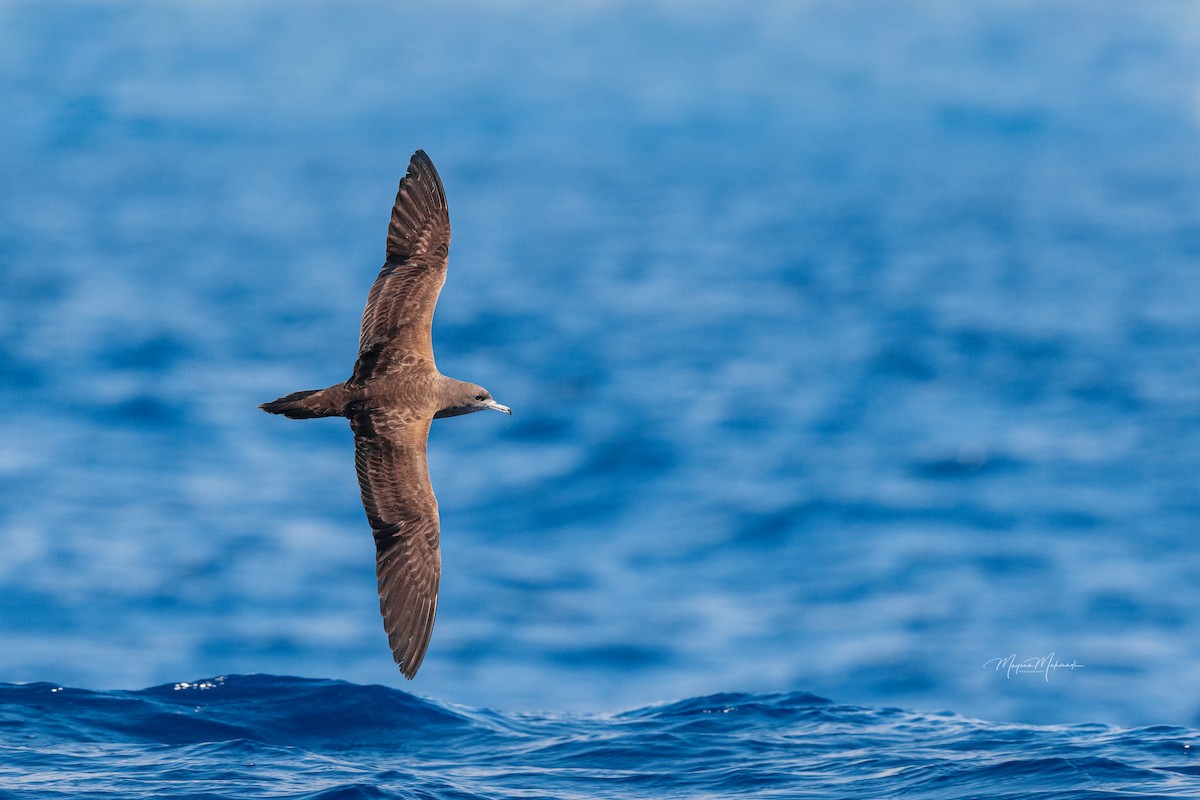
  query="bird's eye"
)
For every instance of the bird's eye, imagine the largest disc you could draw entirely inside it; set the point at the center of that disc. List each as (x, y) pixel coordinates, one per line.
(481, 397)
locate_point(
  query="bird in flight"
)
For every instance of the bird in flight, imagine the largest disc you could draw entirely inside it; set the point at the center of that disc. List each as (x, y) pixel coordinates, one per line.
(391, 398)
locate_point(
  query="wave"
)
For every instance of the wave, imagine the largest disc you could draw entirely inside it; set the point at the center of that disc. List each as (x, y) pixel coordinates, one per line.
(289, 737)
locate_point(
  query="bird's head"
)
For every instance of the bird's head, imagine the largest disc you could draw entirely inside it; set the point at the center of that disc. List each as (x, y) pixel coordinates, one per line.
(465, 398)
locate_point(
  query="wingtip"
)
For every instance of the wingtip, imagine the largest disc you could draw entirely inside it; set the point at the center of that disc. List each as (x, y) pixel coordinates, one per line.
(421, 162)
(420, 218)
(408, 666)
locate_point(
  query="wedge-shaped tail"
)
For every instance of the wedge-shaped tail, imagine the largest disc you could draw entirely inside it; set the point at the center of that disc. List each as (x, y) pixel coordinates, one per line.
(304, 405)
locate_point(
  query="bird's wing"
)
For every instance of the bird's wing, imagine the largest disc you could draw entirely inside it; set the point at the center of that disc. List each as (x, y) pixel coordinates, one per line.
(399, 313)
(389, 454)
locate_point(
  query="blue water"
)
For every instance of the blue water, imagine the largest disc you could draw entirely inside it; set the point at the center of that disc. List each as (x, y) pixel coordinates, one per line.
(854, 347)
(289, 737)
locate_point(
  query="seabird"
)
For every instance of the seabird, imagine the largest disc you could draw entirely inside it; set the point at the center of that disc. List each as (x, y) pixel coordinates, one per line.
(394, 394)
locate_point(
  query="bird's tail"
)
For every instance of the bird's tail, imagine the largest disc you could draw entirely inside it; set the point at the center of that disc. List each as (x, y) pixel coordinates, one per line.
(303, 405)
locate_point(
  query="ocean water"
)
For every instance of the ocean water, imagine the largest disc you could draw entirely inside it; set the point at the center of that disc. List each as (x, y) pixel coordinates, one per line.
(854, 353)
(273, 736)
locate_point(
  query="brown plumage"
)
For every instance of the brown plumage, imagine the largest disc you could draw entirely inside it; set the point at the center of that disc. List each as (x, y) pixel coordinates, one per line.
(391, 398)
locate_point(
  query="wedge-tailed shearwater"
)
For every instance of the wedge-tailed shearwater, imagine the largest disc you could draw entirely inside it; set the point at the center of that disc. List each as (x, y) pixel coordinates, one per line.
(394, 394)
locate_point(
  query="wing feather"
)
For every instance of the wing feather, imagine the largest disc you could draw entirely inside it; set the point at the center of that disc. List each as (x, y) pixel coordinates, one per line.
(393, 474)
(399, 312)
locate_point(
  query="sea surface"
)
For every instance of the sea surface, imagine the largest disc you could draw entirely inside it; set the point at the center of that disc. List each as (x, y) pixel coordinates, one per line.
(268, 736)
(854, 353)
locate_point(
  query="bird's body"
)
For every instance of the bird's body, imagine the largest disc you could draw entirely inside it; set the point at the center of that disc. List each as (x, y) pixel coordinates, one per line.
(391, 398)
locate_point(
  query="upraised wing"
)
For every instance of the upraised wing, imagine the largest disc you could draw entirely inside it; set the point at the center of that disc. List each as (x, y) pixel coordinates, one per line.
(389, 454)
(399, 313)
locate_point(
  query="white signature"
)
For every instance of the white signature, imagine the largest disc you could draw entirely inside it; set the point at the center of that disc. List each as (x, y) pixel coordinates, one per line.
(1038, 665)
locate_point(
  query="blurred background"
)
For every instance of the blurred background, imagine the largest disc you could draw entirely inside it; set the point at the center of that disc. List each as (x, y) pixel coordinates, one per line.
(851, 345)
